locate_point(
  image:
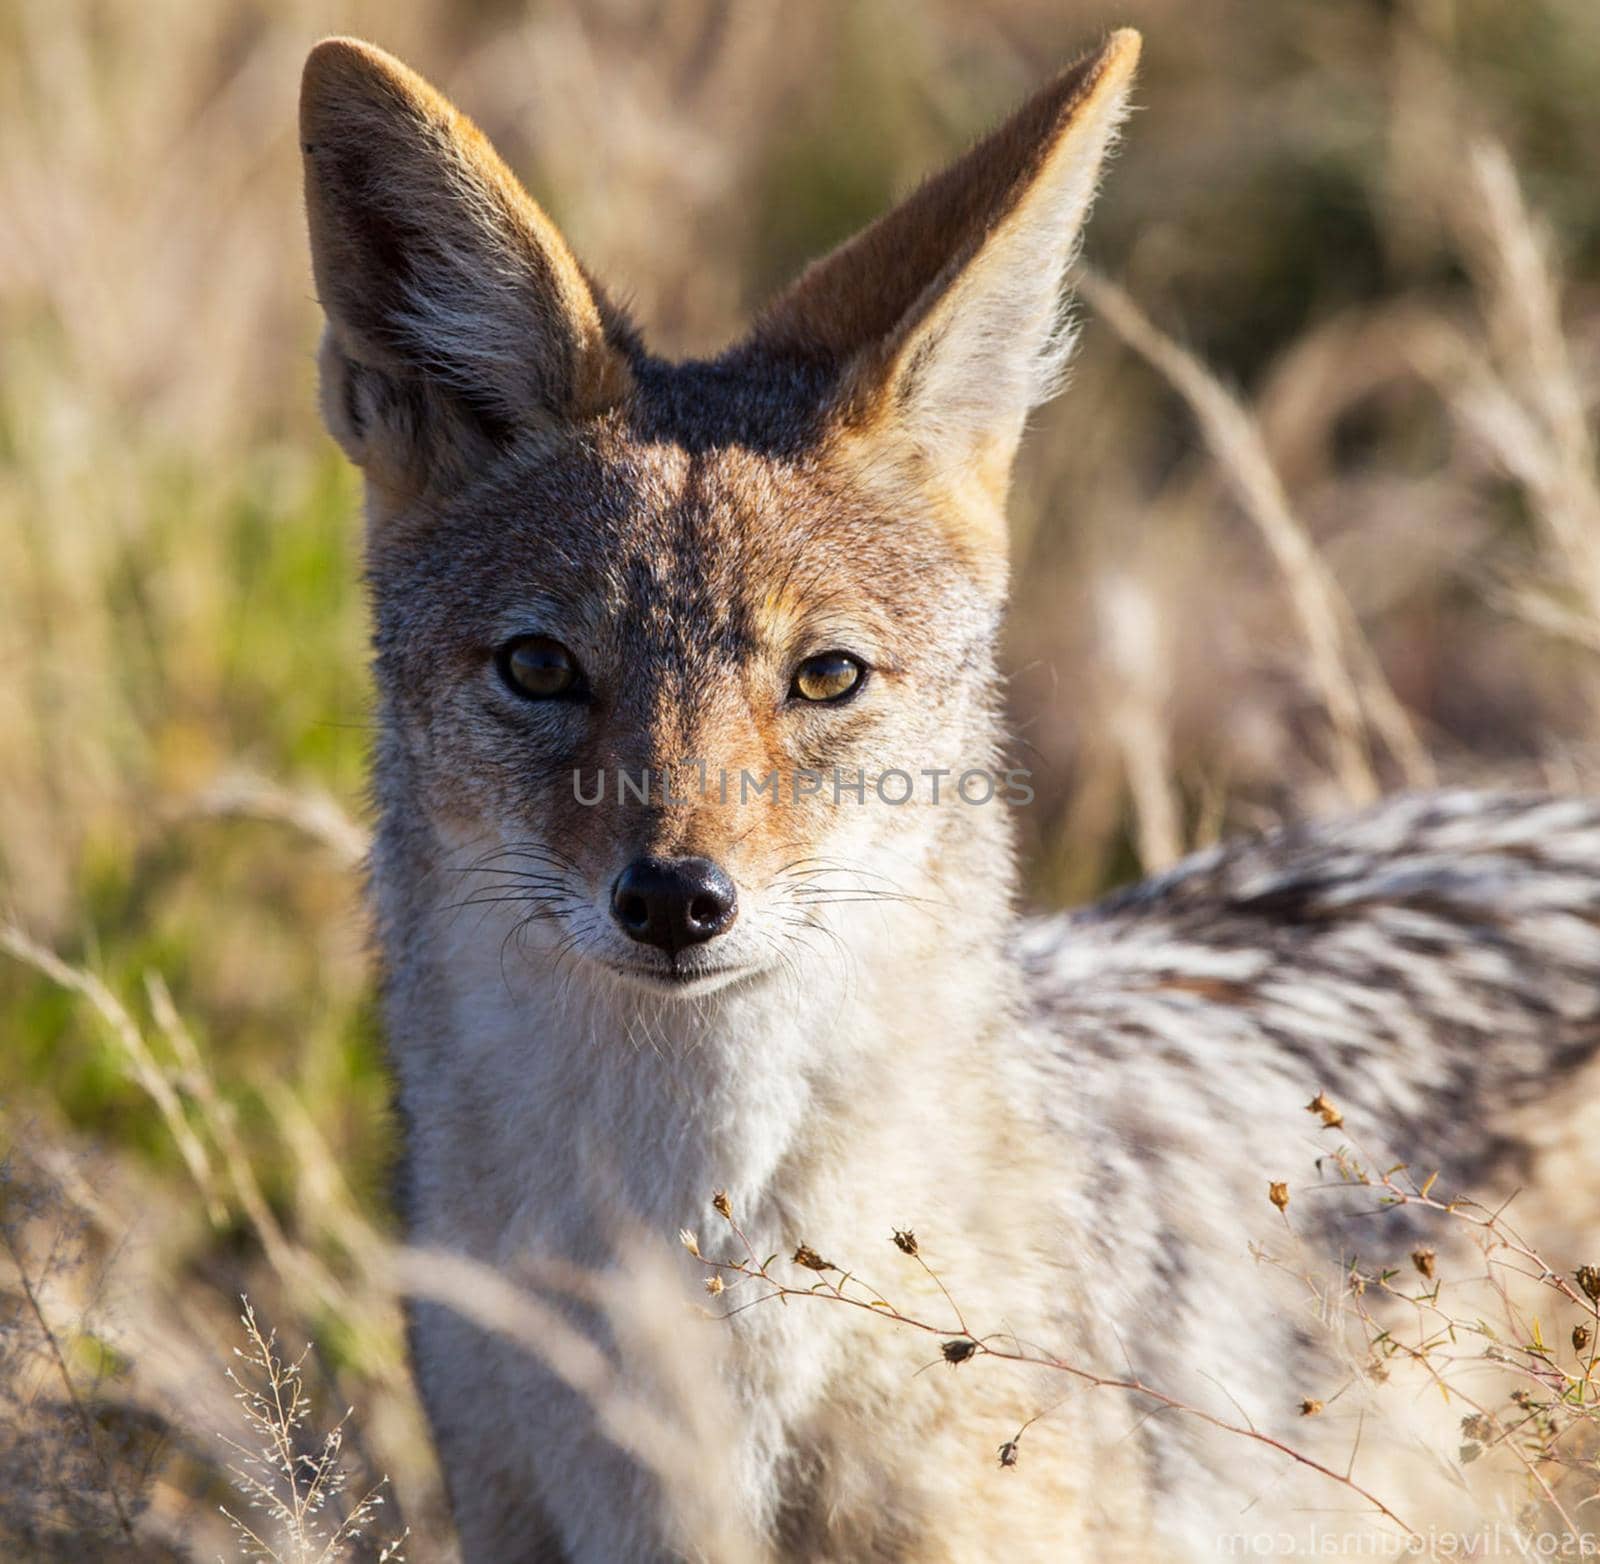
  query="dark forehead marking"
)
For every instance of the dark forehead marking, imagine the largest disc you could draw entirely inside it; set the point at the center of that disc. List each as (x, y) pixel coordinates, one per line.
(688, 587)
(771, 407)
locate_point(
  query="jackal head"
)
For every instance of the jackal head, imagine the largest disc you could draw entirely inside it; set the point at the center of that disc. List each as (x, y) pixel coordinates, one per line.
(681, 662)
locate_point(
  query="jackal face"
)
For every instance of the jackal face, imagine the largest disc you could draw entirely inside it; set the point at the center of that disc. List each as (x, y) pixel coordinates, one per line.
(681, 663)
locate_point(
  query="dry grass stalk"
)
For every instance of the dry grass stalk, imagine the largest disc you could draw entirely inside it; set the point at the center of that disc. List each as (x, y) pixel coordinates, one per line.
(1351, 683)
(302, 1270)
(141, 1062)
(298, 1490)
(682, 1435)
(1527, 402)
(1136, 708)
(86, 1426)
(313, 813)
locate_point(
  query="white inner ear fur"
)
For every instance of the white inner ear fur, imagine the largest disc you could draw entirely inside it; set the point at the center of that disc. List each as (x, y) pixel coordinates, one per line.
(994, 342)
(465, 321)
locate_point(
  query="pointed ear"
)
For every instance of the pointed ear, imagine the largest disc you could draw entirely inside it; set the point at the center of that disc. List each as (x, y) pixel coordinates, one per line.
(457, 315)
(945, 318)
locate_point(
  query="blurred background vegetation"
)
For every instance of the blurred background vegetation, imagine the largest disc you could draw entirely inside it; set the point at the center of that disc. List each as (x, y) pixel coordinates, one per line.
(1315, 197)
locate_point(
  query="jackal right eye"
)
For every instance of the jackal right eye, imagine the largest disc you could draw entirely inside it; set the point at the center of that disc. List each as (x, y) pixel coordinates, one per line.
(539, 669)
(828, 679)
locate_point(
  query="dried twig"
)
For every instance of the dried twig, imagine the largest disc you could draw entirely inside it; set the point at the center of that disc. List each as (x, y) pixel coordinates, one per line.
(960, 1344)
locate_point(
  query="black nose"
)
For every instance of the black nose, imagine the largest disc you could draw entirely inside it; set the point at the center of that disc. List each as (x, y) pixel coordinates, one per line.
(673, 903)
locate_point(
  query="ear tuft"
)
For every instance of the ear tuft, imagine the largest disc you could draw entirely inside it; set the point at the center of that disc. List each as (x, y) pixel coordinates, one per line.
(453, 303)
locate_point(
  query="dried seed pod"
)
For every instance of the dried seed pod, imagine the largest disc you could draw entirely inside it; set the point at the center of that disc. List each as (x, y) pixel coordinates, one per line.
(1310, 1406)
(1009, 1453)
(805, 1255)
(1331, 1117)
(1589, 1280)
(1278, 1194)
(1425, 1261)
(959, 1350)
(722, 1205)
(713, 1285)
(1580, 1338)
(905, 1240)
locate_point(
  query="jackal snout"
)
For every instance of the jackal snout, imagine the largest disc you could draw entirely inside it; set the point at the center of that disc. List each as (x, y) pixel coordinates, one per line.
(673, 903)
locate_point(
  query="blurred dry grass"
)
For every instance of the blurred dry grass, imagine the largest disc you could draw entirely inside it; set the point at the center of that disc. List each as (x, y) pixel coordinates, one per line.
(1366, 554)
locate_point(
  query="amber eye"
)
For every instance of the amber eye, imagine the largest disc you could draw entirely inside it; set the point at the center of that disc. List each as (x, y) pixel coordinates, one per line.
(829, 676)
(538, 668)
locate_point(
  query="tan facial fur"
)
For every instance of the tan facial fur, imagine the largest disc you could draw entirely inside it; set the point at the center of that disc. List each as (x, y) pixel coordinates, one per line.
(688, 586)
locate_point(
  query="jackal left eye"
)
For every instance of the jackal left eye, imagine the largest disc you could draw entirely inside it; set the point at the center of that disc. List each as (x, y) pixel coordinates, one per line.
(538, 668)
(829, 676)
